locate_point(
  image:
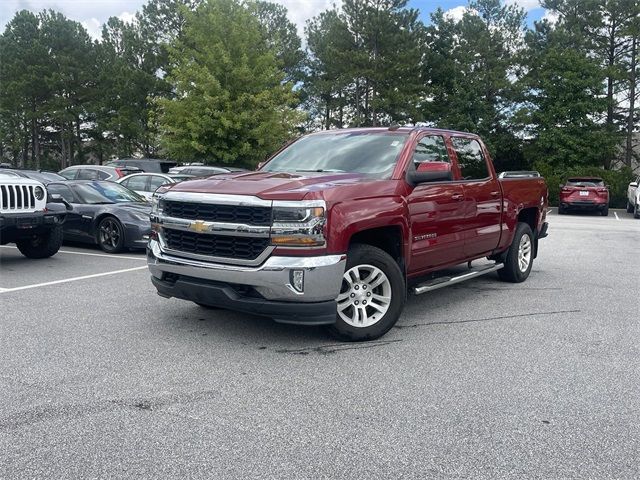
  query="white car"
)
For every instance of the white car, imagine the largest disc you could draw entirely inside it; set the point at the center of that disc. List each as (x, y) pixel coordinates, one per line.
(146, 183)
(633, 198)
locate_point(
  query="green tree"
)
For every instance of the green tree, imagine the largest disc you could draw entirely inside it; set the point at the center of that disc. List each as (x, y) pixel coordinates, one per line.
(231, 104)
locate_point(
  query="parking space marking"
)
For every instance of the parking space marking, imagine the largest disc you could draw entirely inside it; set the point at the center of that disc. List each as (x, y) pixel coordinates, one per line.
(616, 214)
(549, 211)
(72, 279)
(89, 254)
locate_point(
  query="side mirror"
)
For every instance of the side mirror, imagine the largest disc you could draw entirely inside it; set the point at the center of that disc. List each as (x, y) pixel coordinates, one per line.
(57, 198)
(430, 172)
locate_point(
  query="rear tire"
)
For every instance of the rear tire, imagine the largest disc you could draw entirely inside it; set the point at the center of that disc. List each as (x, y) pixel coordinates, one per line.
(636, 211)
(561, 210)
(519, 259)
(630, 207)
(605, 211)
(43, 246)
(371, 297)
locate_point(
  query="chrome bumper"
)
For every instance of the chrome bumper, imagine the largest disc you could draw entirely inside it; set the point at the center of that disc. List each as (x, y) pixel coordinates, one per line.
(272, 279)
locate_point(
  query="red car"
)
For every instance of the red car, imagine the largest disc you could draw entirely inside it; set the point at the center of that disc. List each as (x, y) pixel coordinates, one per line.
(584, 193)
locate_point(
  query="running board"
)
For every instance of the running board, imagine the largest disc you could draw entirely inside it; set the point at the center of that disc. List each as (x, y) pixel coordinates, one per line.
(447, 281)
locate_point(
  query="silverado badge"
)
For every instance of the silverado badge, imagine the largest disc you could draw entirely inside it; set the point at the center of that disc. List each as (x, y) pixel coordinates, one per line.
(198, 226)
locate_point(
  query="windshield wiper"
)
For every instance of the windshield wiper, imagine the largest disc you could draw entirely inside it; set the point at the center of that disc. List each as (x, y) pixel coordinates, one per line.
(320, 170)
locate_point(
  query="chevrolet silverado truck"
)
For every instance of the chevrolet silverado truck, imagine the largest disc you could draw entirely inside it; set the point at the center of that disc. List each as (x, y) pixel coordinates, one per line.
(337, 227)
(29, 218)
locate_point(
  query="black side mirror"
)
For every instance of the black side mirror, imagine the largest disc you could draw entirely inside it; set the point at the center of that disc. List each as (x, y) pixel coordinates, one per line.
(57, 198)
(414, 178)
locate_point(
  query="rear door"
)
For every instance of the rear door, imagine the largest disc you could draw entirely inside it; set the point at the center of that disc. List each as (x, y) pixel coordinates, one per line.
(482, 197)
(436, 211)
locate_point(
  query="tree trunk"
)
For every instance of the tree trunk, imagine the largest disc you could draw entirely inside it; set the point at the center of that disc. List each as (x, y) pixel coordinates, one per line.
(79, 140)
(35, 144)
(63, 150)
(628, 154)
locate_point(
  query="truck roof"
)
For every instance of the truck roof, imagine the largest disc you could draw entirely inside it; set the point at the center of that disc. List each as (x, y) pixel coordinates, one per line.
(396, 129)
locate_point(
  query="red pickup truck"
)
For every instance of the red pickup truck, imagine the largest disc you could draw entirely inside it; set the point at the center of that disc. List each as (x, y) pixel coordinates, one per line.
(338, 226)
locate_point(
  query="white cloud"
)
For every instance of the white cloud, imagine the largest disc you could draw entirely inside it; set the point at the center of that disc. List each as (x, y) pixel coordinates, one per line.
(93, 27)
(299, 11)
(550, 16)
(526, 4)
(127, 17)
(456, 13)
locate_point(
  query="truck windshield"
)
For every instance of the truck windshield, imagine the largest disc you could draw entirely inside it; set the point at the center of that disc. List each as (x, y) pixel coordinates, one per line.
(369, 153)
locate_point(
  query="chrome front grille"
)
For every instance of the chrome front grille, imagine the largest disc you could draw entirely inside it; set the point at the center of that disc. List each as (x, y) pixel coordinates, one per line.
(17, 198)
(210, 212)
(243, 248)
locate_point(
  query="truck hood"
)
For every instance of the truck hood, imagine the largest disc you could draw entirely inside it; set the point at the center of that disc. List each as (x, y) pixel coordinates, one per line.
(270, 185)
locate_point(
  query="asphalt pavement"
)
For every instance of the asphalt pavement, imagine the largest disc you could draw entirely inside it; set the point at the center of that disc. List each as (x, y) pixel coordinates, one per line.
(102, 378)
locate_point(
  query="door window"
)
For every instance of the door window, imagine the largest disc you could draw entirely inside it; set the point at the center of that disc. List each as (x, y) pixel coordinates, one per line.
(471, 161)
(138, 183)
(70, 173)
(430, 149)
(88, 174)
(62, 190)
(156, 182)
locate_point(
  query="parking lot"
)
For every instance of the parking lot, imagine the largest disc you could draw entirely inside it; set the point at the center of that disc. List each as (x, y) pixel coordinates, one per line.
(103, 378)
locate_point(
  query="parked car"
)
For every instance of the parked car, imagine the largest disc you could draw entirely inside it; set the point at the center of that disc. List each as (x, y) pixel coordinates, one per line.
(96, 172)
(584, 193)
(148, 165)
(39, 175)
(203, 170)
(28, 217)
(145, 184)
(633, 198)
(104, 213)
(335, 227)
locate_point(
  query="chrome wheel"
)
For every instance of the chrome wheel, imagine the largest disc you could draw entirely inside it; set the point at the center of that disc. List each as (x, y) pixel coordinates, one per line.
(524, 253)
(109, 234)
(365, 296)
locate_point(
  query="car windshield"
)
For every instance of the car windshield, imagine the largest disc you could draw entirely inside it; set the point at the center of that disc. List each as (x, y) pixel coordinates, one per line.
(370, 153)
(591, 182)
(45, 176)
(105, 192)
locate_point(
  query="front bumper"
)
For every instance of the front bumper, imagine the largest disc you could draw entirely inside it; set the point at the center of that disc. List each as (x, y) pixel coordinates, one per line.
(15, 226)
(263, 290)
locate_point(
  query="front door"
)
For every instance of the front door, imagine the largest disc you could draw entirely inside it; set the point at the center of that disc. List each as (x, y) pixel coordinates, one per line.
(482, 198)
(436, 211)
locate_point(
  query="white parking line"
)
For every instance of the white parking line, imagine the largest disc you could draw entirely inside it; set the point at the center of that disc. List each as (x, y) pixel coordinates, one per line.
(88, 254)
(616, 214)
(549, 211)
(73, 279)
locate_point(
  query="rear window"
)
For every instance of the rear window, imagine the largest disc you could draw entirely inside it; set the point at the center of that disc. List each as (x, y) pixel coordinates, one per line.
(585, 182)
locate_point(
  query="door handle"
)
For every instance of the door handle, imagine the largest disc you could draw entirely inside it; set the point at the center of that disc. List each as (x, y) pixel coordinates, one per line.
(495, 194)
(457, 196)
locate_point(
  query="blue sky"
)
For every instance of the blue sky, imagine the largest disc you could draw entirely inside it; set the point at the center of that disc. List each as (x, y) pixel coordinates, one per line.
(93, 13)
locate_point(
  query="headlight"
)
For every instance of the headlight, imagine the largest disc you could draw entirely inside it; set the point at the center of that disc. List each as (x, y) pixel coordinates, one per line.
(39, 193)
(140, 216)
(298, 224)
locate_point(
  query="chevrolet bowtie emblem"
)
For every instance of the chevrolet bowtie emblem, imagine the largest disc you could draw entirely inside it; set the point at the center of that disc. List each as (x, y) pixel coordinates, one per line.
(198, 226)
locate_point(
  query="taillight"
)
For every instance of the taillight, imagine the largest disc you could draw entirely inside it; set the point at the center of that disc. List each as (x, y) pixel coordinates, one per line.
(602, 191)
(120, 173)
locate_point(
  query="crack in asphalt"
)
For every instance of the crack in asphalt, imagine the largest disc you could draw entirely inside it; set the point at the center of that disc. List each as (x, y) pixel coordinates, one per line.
(336, 347)
(505, 317)
(44, 413)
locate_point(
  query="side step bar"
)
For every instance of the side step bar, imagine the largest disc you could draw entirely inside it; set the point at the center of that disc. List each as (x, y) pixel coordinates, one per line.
(447, 281)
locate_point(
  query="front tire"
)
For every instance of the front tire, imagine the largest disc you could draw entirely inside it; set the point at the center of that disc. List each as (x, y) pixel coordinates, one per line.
(630, 208)
(110, 235)
(519, 259)
(371, 297)
(42, 246)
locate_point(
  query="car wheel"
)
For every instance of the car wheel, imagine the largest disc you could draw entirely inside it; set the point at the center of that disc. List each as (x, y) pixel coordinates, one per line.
(636, 211)
(42, 246)
(561, 210)
(371, 296)
(630, 207)
(605, 211)
(519, 259)
(111, 235)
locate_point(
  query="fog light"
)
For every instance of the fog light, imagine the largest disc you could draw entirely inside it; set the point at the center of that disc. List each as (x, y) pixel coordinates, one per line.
(297, 280)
